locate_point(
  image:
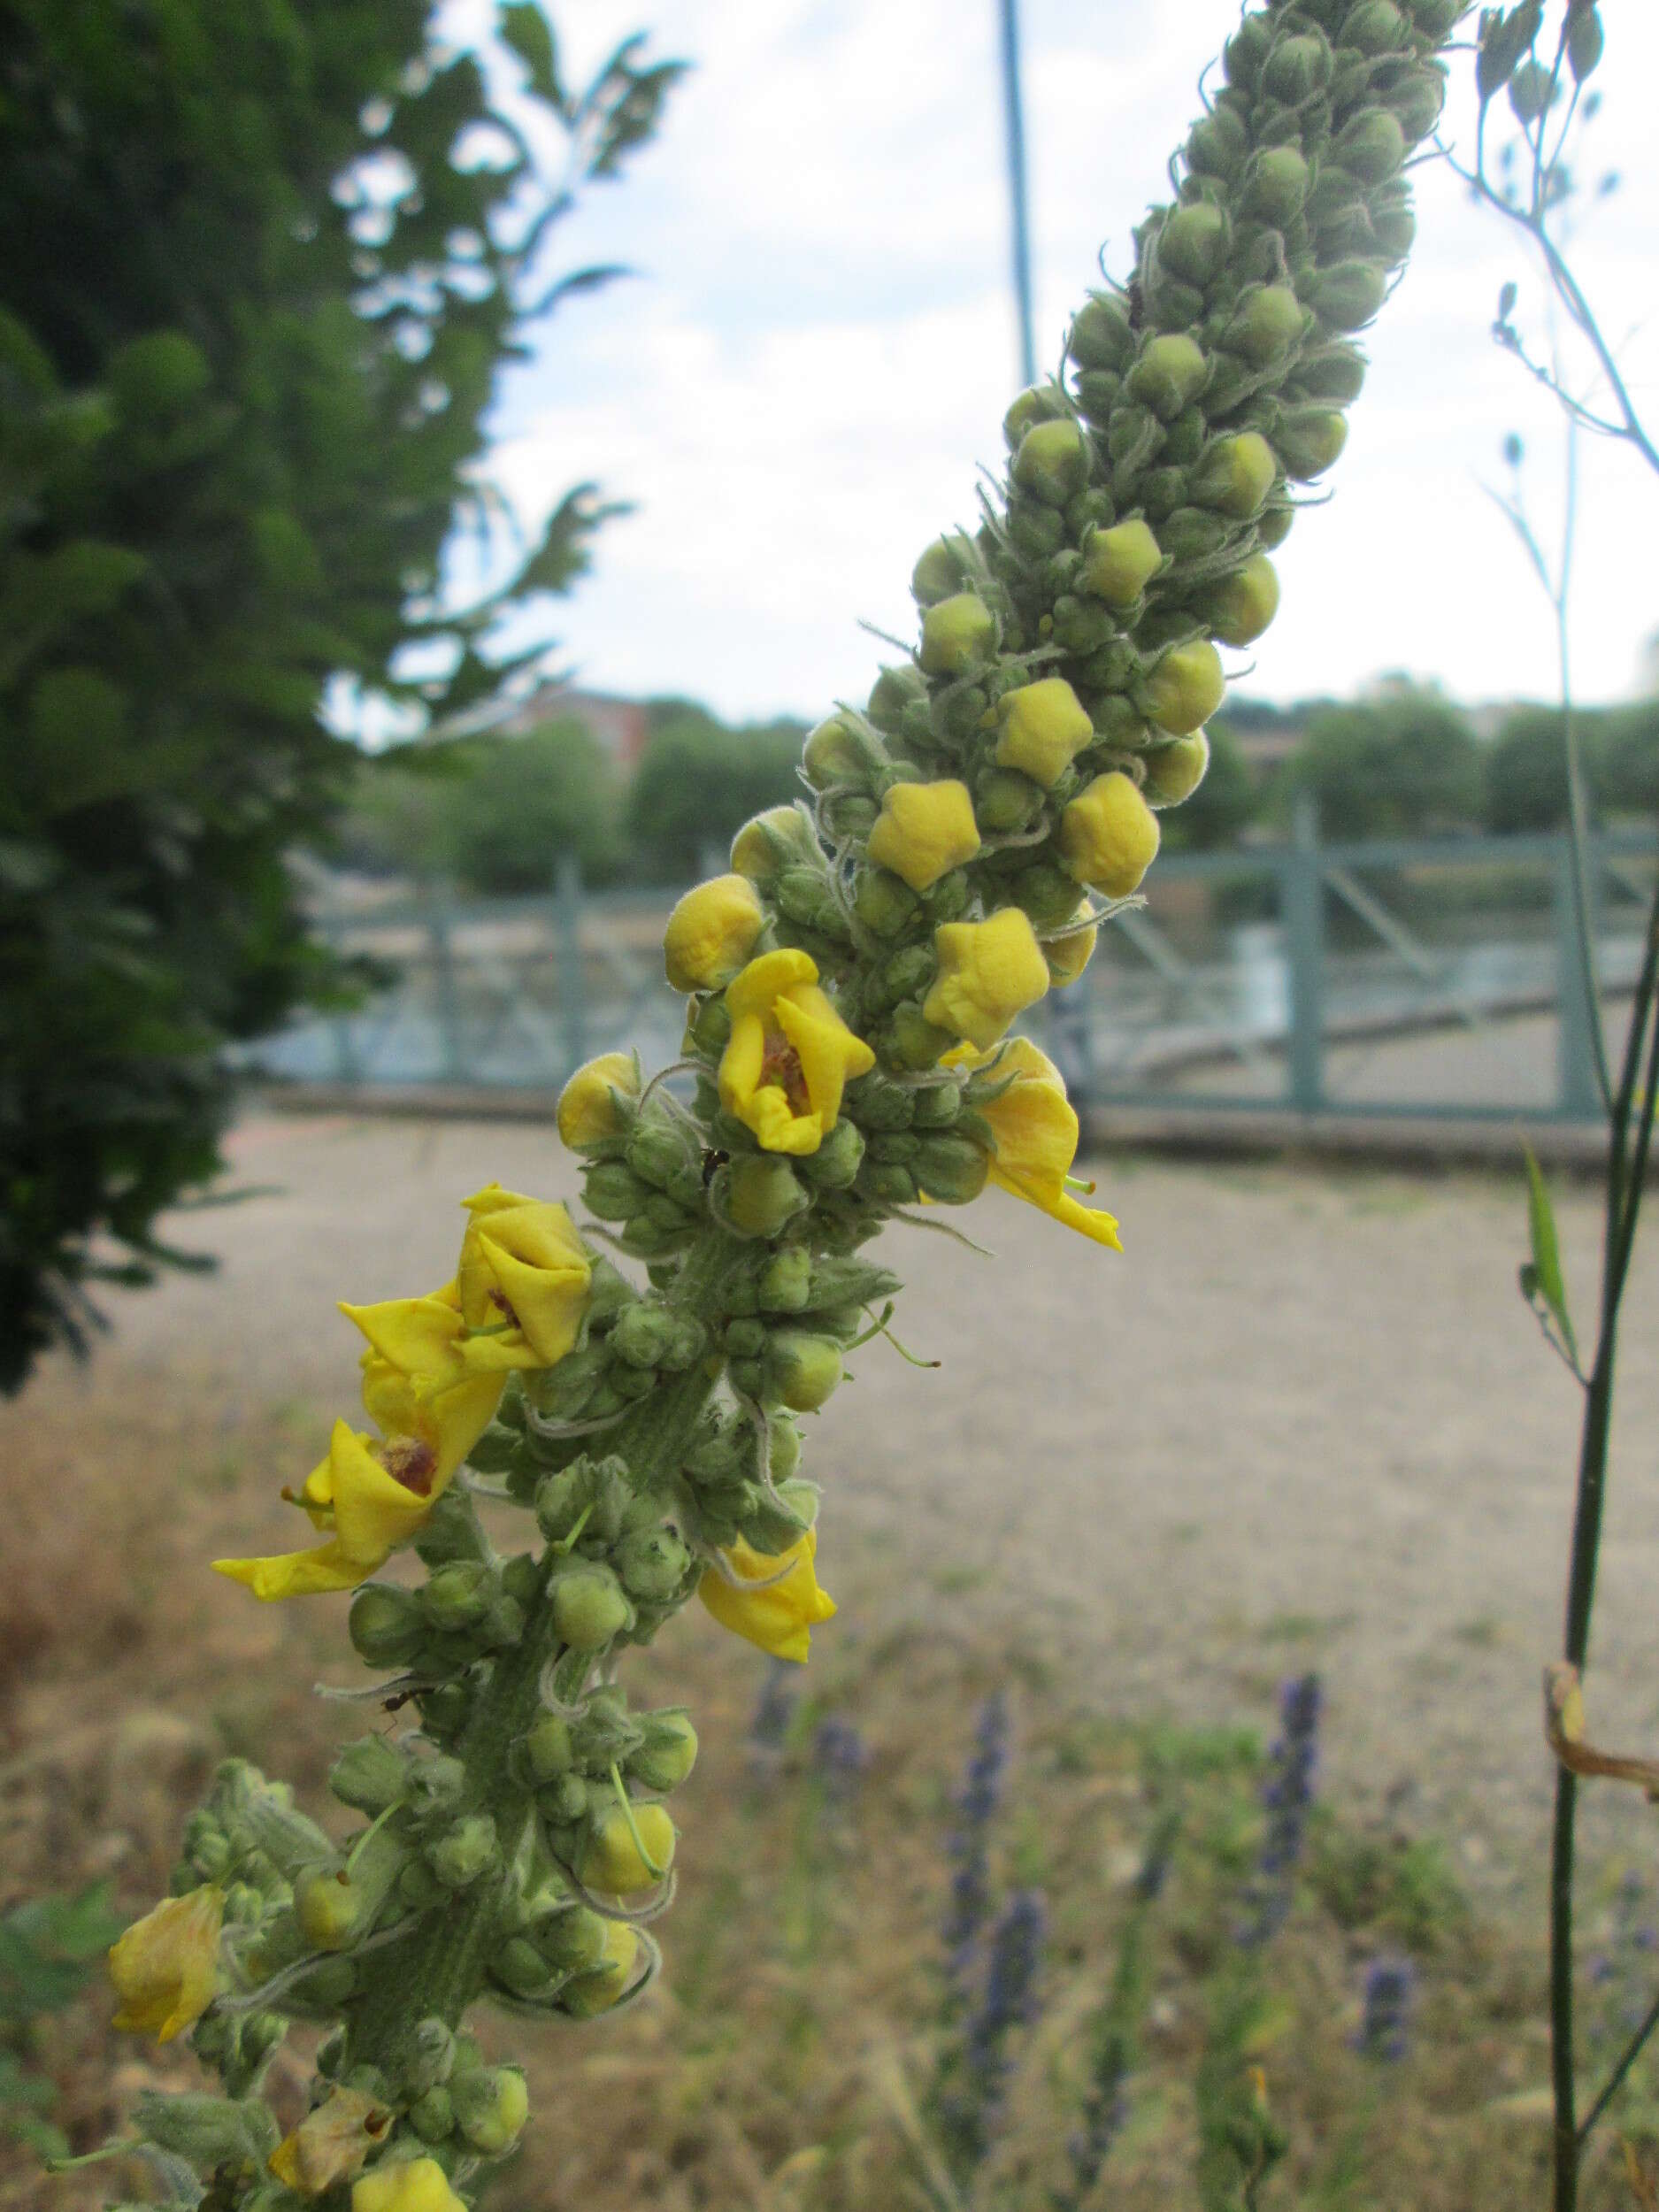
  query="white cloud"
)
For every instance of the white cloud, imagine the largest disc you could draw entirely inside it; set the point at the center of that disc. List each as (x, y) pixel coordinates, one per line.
(797, 392)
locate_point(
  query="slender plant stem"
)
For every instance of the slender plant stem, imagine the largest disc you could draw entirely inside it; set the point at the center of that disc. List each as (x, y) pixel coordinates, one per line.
(1614, 2082)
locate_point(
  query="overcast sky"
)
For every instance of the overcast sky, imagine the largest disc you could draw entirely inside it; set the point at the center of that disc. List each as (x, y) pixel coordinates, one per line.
(797, 389)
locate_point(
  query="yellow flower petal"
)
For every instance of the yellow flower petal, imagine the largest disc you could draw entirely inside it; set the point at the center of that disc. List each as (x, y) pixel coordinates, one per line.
(165, 1967)
(587, 1112)
(781, 1616)
(377, 1503)
(1045, 726)
(764, 979)
(988, 973)
(332, 2144)
(712, 932)
(789, 1056)
(420, 1337)
(1109, 836)
(297, 1574)
(411, 2184)
(924, 830)
(1036, 1131)
(522, 1264)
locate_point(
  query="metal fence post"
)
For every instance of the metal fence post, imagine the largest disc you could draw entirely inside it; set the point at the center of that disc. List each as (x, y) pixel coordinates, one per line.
(1577, 1097)
(438, 928)
(567, 934)
(1303, 915)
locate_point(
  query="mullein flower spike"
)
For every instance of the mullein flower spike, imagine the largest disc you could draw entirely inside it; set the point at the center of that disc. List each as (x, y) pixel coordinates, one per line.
(850, 989)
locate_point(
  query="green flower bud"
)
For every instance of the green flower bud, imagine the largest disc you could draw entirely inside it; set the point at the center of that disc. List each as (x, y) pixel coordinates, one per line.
(1297, 67)
(802, 1371)
(1192, 243)
(1217, 146)
(1276, 185)
(771, 842)
(1101, 336)
(563, 1799)
(1040, 404)
(786, 1284)
(655, 1152)
(1241, 608)
(436, 1788)
(745, 1338)
(759, 1194)
(938, 573)
(547, 1747)
(651, 1337)
(1435, 18)
(1416, 97)
(1308, 440)
(385, 1624)
(1349, 294)
(589, 1609)
(1175, 772)
(912, 1042)
(1334, 374)
(1372, 146)
(491, 2106)
(834, 1165)
(1192, 533)
(445, 1709)
(957, 634)
(595, 1992)
(331, 1910)
(622, 1856)
(1081, 625)
(1394, 225)
(952, 1170)
(668, 1754)
(1052, 463)
(1270, 319)
(571, 1940)
(937, 1105)
(1235, 475)
(1119, 563)
(520, 1967)
(1243, 56)
(1033, 530)
(1185, 688)
(1047, 893)
(459, 1595)
(613, 1192)
(1098, 391)
(1004, 799)
(1185, 439)
(894, 1144)
(419, 1888)
(652, 1564)
(329, 1985)
(466, 1852)
(1273, 526)
(838, 752)
(1170, 371)
(1374, 28)
(884, 903)
(432, 2115)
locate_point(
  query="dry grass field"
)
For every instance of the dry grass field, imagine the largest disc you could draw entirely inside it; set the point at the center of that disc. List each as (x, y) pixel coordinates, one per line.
(1305, 1423)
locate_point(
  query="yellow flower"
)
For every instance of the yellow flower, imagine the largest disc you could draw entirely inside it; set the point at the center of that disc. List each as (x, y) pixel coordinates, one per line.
(332, 2144)
(789, 1056)
(599, 1986)
(1109, 836)
(373, 1499)
(411, 2184)
(988, 971)
(780, 1615)
(165, 1967)
(1035, 1132)
(712, 932)
(587, 1110)
(924, 831)
(1045, 726)
(624, 1855)
(1068, 956)
(523, 1273)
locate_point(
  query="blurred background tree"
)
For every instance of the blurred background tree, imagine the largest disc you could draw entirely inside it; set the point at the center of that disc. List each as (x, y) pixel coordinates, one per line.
(261, 265)
(699, 782)
(1392, 767)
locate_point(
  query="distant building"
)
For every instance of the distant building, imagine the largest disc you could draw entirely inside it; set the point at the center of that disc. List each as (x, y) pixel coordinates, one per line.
(621, 725)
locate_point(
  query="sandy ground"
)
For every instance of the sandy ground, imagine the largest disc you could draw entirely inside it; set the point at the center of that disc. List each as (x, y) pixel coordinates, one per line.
(1305, 1420)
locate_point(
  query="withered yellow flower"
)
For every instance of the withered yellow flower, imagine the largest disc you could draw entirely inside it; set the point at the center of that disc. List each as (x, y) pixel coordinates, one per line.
(411, 2184)
(166, 1966)
(1035, 1129)
(790, 1055)
(588, 1108)
(924, 831)
(332, 2144)
(988, 971)
(522, 1281)
(1109, 836)
(712, 932)
(786, 1604)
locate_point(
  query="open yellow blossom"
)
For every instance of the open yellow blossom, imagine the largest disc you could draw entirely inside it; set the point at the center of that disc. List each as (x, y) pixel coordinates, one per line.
(988, 971)
(1036, 1131)
(1109, 836)
(1045, 726)
(522, 1281)
(166, 1966)
(332, 2144)
(712, 932)
(587, 1110)
(924, 831)
(411, 2184)
(374, 1500)
(790, 1055)
(786, 1604)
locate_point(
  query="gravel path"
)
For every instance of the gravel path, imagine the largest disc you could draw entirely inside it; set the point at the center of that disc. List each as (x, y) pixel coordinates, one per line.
(1305, 1420)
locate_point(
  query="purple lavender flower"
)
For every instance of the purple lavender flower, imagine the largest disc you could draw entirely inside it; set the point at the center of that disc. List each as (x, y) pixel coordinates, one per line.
(1386, 2011)
(769, 1723)
(1287, 1795)
(979, 2080)
(840, 1758)
(968, 1846)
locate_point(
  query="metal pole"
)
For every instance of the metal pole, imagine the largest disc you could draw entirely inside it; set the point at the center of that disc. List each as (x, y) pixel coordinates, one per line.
(1303, 896)
(1017, 186)
(567, 932)
(1578, 1098)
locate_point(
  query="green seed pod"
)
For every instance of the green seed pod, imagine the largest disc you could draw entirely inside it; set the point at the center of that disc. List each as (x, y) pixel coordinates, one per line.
(1041, 403)
(889, 1184)
(445, 1709)
(1270, 319)
(834, 1165)
(937, 573)
(1349, 294)
(952, 1170)
(436, 1788)
(1374, 28)
(1185, 688)
(786, 1283)
(1192, 533)
(1119, 563)
(758, 1195)
(548, 1751)
(613, 1192)
(1052, 463)
(895, 691)
(668, 1754)
(1276, 185)
(1169, 374)
(1217, 146)
(1297, 67)
(1175, 772)
(1101, 336)
(590, 1608)
(1192, 243)
(433, 2116)
(331, 1910)
(491, 2106)
(957, 635)
(1241, 608)
(1005, 801)
(458, 1596)
(1235, 475)
(1372, 146)
(386, 1624)
(711, 1028)
(1530, 91)
(1308, 440)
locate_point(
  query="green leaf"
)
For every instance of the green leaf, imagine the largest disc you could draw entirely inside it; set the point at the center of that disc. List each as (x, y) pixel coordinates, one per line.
(1542, 1278)
(529, 34)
